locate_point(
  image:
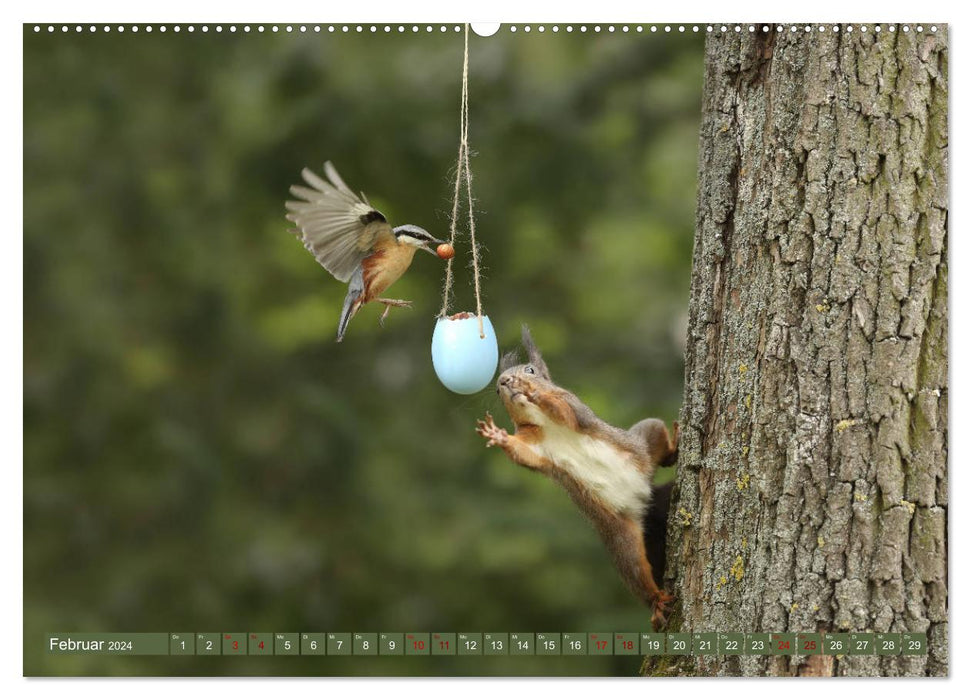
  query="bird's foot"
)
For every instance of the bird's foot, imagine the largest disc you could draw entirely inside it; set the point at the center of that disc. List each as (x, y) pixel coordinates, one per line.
(388, 303)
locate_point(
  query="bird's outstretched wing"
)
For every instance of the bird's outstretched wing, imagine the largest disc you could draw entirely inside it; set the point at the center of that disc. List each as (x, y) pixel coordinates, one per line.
(337, 226)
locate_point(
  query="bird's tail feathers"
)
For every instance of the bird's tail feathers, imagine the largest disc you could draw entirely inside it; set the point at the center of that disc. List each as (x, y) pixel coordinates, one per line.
(350, 308)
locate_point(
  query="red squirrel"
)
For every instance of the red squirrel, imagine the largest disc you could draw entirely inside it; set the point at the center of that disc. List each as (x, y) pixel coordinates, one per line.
(606, 471)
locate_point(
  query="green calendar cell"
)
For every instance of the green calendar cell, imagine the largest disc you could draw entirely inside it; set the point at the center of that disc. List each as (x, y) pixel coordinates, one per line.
(339, 644)
(313, 644)
(600, 644)
(731, 643)
(652, 643)
(208, 644)
(913, 643)
(782, 644)
(495, 643)
(757, 644)
(574, 644)
(391, 644)
(234, 644)
(418, 644)
(286, 644)
(862, 643)
(547, 644)
(260, 644)
(182, 644)
(704, 643)
(887, 643)
(522, 644)
(365, 644)
(836, 643)
(469, 643)
(626, 644)
(679, 643)
(809, 643)
(443, 644)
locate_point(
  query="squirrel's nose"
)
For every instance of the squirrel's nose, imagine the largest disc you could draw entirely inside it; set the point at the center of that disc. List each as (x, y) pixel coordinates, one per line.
(503, 380)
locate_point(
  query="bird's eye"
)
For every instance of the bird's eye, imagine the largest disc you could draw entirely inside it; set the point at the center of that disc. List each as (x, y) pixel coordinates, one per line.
(529, 370)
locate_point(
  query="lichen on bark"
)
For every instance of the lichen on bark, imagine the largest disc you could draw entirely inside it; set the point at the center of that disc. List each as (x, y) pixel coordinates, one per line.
(812, 485)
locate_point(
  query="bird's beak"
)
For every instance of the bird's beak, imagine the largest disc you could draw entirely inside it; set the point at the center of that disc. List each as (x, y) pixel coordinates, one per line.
(431, 246)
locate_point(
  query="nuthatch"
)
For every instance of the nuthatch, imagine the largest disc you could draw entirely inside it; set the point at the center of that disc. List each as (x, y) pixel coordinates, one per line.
(354, 241)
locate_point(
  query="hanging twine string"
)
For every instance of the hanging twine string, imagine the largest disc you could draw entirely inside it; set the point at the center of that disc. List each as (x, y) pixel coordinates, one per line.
(447, 290)
(463, 169)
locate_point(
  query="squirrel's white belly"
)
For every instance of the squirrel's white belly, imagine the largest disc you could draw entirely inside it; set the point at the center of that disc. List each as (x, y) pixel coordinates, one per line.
(609, 473)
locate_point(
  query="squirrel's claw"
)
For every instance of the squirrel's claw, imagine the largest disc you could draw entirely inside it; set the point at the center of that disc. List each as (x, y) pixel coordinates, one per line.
(661, 603)
(488, 429)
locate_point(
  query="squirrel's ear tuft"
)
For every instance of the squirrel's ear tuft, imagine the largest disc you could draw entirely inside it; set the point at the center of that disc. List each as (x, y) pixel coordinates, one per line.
(535, 358)
(509, 359)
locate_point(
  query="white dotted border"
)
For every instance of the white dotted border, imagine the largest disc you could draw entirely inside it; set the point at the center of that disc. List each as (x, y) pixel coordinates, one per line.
(513, 28)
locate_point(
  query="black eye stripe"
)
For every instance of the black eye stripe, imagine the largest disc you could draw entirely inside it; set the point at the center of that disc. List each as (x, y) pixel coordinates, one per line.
(414, 232)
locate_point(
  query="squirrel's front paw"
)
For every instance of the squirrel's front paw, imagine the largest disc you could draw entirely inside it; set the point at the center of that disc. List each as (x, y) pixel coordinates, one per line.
(493, 433)
(531, 393)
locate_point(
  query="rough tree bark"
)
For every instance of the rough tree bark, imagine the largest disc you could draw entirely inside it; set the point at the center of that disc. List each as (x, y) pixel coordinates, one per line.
(812, 484)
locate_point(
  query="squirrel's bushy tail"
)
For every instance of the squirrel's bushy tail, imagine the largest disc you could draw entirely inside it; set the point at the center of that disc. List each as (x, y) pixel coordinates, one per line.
(655, 526)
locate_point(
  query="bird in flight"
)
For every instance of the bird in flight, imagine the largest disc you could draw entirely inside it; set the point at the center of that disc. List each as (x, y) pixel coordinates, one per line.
(353, 241)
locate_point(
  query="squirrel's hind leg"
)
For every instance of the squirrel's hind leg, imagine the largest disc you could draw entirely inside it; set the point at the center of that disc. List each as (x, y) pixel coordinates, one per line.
(662, 446)
(627, 547)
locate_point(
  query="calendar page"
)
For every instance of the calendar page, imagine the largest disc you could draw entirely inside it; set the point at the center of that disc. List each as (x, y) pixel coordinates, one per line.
(544, 349)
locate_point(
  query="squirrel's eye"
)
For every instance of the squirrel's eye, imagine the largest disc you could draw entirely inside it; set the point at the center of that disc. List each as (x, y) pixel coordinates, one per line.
(529, 369)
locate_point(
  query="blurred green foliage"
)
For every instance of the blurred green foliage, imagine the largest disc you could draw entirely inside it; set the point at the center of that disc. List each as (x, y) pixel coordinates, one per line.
(199, 453)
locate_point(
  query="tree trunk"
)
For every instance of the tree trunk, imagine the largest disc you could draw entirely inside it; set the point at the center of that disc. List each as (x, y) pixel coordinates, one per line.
(812, 484)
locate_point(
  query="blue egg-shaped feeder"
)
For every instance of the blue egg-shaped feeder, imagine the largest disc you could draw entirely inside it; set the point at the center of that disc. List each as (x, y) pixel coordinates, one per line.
(464, 360)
